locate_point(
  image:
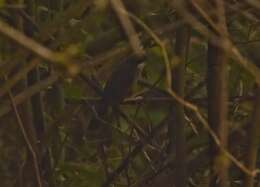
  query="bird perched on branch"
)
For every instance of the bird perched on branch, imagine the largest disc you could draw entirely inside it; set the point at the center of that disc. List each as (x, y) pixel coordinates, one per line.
(116, 89)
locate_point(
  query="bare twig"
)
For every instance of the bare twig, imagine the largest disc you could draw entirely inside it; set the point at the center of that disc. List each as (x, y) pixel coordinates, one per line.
(132, 35)
(18, 76)
(27, 140)
(224, 43)
(35, 47)
(189, 105)
(20, 98)
(137, 149)
(27, 42)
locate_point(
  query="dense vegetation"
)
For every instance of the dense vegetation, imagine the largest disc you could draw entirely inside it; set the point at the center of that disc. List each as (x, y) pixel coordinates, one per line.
(129, 93)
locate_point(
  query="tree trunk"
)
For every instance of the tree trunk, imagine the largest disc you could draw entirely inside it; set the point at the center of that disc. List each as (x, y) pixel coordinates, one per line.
(217, 98)
(176, 127)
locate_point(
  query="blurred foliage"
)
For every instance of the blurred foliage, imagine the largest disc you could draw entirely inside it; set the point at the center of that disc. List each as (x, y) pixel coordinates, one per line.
(90, 38)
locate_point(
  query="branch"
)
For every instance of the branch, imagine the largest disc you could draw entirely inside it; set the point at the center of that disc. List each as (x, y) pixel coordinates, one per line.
(27, 140)
(127, 25)
(138, 148)
(20, 98)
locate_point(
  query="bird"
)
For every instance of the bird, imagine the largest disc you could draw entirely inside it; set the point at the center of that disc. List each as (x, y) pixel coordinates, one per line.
(118, 85)
(116, 89)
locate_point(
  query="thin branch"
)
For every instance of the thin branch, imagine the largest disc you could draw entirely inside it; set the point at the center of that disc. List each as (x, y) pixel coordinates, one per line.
(35, 47)
(127, 25)
(224, 43)
(137, 149)
(190, 105)
(18, 76)
(27, 42)
(27, 140)
(23, 96)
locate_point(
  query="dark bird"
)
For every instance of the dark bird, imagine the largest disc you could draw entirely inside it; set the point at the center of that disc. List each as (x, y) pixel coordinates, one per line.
(116, 89)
